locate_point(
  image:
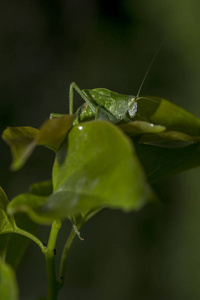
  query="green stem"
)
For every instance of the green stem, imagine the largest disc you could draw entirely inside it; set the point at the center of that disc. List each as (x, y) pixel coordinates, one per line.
(28, 235)
(65, 255)
(52, 285)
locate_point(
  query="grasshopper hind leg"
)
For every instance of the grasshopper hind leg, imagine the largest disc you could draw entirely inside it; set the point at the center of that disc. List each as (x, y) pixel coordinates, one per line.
(73, 86)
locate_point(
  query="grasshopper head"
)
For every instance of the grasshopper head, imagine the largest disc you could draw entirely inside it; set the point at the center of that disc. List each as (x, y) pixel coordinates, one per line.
(132, 106)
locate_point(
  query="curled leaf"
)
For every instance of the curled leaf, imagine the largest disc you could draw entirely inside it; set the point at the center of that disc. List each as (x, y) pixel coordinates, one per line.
(32, 202)
(23, 140)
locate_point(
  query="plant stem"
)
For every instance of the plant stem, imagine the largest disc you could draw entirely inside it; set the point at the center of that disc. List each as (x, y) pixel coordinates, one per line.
(52, 285)
(64, 256)
(28, 235)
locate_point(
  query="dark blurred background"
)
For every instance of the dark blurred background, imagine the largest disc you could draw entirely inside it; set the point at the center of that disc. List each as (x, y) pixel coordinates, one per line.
(44, 46)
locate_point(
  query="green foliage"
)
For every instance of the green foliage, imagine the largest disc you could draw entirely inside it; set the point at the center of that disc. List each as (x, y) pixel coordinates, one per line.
(94, 157)
(83, 176)
(98, 164)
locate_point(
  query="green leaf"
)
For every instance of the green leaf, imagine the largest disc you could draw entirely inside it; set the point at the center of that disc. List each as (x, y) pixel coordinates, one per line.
(8, 284)
(160, 111)
(23, 140)
(32, 202)
(7, 223)
(43, 188)
(95, 167)
(163, 162)
(145, 132)
(141, 127)
(53, 132)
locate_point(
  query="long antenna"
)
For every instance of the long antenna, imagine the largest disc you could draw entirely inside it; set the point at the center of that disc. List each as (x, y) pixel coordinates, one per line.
(149, 67)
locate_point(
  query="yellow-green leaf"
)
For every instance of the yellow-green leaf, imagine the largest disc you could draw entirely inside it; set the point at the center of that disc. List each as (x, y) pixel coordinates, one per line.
(23, 140)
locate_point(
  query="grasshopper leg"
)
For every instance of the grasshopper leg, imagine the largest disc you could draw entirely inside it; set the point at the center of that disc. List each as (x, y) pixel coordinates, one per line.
(125, 118)
(73, 85)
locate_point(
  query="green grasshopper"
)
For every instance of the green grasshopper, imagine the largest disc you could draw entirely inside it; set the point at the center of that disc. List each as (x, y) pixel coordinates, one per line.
(101, 103)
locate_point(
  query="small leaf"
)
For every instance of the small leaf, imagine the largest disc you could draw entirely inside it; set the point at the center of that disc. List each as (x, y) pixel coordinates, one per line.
(7, 223)
(43, 188)
(145, 132)
(23, 140)
(141, 127)
(31, 202)
(8, 283)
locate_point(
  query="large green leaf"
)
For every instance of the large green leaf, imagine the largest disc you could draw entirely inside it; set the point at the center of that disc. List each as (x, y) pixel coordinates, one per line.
(160, 111)
(163, 162)
(95, 167)
(23, 140)
(8, 284)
